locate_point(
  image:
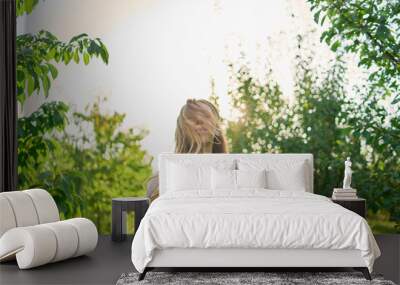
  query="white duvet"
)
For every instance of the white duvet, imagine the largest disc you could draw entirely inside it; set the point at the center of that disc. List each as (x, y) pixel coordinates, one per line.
(250, 219)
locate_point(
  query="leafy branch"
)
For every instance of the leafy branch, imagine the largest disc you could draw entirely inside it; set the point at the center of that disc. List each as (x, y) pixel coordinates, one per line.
(25, 6)
(369, 28)
(32, 131)
(36, 55)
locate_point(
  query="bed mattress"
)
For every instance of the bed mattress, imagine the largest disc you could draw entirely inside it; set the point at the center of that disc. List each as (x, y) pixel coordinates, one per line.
(250, 219)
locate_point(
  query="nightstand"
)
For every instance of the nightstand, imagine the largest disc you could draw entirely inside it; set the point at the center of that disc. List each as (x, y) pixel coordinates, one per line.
(358, 205)
(120, 206)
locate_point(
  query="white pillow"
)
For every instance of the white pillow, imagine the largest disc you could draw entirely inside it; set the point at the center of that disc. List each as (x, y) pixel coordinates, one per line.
(251, 178)
(188, 173)
(223, 179)
(292, 178)
(183, 177)
(281, 174)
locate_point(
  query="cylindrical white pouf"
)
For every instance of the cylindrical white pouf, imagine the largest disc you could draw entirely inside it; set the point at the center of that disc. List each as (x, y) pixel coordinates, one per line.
(40, 244)
(87, 234)
(67, 240)
(33, 246)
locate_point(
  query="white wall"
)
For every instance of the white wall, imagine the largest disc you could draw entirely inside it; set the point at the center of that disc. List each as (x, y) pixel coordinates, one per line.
(21, 25)
(163, 52)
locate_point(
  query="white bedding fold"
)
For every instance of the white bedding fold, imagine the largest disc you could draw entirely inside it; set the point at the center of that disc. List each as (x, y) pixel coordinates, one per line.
(250, 219)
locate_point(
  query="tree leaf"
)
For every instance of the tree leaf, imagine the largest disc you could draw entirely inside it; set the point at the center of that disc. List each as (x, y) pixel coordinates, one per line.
(37, 70)
(396, 99)
(316, 16)
(335, 45)
(20, 75)
(76, 56)
(76, 38)
(51, 53)
(53, 70)
(86, 58)
(31, 85)
(29, 4)
(104, 55)
(46, 85)
(66, 57)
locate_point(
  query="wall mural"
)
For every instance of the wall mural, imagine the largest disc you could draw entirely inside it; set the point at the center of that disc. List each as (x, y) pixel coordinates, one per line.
(100, 86)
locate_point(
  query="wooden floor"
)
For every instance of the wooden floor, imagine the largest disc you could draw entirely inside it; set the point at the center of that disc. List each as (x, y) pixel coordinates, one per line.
(103, 266)
(110, 260)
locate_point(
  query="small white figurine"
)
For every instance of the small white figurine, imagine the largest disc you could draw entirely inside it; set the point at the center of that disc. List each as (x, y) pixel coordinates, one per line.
(347, 174)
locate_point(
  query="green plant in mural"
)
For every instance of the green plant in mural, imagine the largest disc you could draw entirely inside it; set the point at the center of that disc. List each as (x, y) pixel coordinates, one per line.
(257, 130)
(25, 6)
(34, 141)
(37, 56)
(379, 129)
(88, 167)
(82, 170)
(38, 53)
(369, 28)
(325, 122)
(114, 165)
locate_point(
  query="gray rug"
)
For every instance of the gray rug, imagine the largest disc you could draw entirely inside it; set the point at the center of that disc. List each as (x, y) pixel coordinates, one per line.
(231, 278)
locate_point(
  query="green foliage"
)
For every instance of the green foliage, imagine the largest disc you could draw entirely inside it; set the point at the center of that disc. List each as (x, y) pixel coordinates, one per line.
(82, 171)
(35, 144)
(85, 169)
(36, 55)
(114, 165)
(325, 122)
(369, 28)
(380, 131)
(321, 110)
(264, 116)
(34, 136)
(25, 6)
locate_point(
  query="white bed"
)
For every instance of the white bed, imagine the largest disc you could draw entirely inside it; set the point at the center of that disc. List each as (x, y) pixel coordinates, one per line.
(202, 220)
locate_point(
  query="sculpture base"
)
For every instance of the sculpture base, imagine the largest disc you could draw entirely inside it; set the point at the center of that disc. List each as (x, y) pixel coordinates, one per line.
(344, 189)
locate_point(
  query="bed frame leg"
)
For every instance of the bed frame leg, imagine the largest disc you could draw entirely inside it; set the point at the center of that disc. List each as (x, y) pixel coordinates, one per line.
(143, 274)
(364, 271)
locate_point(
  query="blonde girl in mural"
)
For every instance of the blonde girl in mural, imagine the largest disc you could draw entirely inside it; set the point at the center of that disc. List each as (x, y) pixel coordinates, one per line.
(198, 130)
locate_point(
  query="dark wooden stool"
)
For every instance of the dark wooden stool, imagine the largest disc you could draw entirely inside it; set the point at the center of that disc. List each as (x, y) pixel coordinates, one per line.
(120, 206)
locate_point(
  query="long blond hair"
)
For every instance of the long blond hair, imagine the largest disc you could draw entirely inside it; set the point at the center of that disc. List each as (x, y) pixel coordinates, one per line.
(187, 140)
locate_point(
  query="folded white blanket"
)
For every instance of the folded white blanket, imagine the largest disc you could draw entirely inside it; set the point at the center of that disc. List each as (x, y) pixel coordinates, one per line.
(250, 218)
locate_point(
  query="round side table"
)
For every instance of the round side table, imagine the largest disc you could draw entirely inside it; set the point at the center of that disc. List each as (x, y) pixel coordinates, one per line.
(121, 206)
